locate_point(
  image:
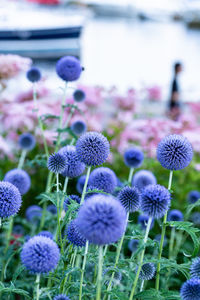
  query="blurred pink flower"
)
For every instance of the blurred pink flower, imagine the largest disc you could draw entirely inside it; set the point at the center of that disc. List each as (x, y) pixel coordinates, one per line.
(11, 65)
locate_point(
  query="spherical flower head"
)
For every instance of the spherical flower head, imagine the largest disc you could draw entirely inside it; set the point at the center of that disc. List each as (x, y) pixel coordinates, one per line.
(155, 201)
(33, 74)
(78, 127)
(79, 96)
(27, 141)
(143, 178)
(195, 268)
(133, 157)
(174, 152)
(147, 272)
(40, 254)
(80, 184)
(175, 215)
(46, 234)
(108, 273)
(193, 196)
(33, 213)
(73, 167)
(18, 229)
(101, 220)
(130, 198)
(68, 199)
(57, 163)
(103, 179)
(133, 245)
(20, 179)
(93, 148)
(195, 218)
(52, 209)
(143, 220)
(190, 290)
(74, 236)
(10, 199)
(61, 297)
(68, 68)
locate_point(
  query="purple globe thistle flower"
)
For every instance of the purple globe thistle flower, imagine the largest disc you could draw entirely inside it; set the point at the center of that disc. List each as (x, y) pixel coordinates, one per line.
(93, 148)
(158, 238)
(195, 218)
(79, 96)
(10, 199)
(20, 179)
(33, 213)
(155, 201)
(143, 220)
(68, 199)
(26, 141)
(68, 68)
(117, 276)
(130, 198)
(147, 271)
(101, 220)
(46, 234)
(18, 229)
(40, 254)
(33, 74)
(175, 215)
(61, 297)
(190, 290)
(74, 236)
(133, 157)
(143, 178)
(73, 167)
(80, 184)
(133, 245)
(57, 163)
(195, 268)
(78, 127)
(193, 196)
(174, 152)
(103, 179)
(52, 209)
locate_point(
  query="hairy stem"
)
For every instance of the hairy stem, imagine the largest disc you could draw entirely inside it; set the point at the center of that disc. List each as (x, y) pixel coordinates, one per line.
(99, 276)
(37, 286)
(130, 176)
(22, 159)
(85, 184)
(83, 270)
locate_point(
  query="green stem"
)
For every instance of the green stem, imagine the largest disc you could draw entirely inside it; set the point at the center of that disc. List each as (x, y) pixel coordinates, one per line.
(64, 191)
(162, 237)
(22, 159)
(58, 231)
(37, 286)
(142, 285)
(130, 176)
(85, 184)
(9, 234)
(171, 243)
(99, 276)
(83, 270)
(141, 259)
(69, 117)
(72, 142)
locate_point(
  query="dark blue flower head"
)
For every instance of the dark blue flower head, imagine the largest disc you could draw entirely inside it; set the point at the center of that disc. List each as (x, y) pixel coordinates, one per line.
(68, 199)
(33, 74)
(73, 167)
(52, 209)
(174, 152)
(57, 163)
(26, 141)
(143, 178)
(80, 184)
(79, 96)
(190, 290)
(133, 157)
(133, 245)
(195, 268)
(175, 215)
(101, 220)
(195, 218)
(68, 68)
(20, 179)
(74, 236)
(33, 213)
(193, 196)
(103, 179)
(10, 199)
(40, 254)
(93, 148)
(130, 198)
(46, 234)
(147, 272)
(61, 297)
(143, 220)
(155, 201)
(108, 273)
(78, 127)
(18, 229)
